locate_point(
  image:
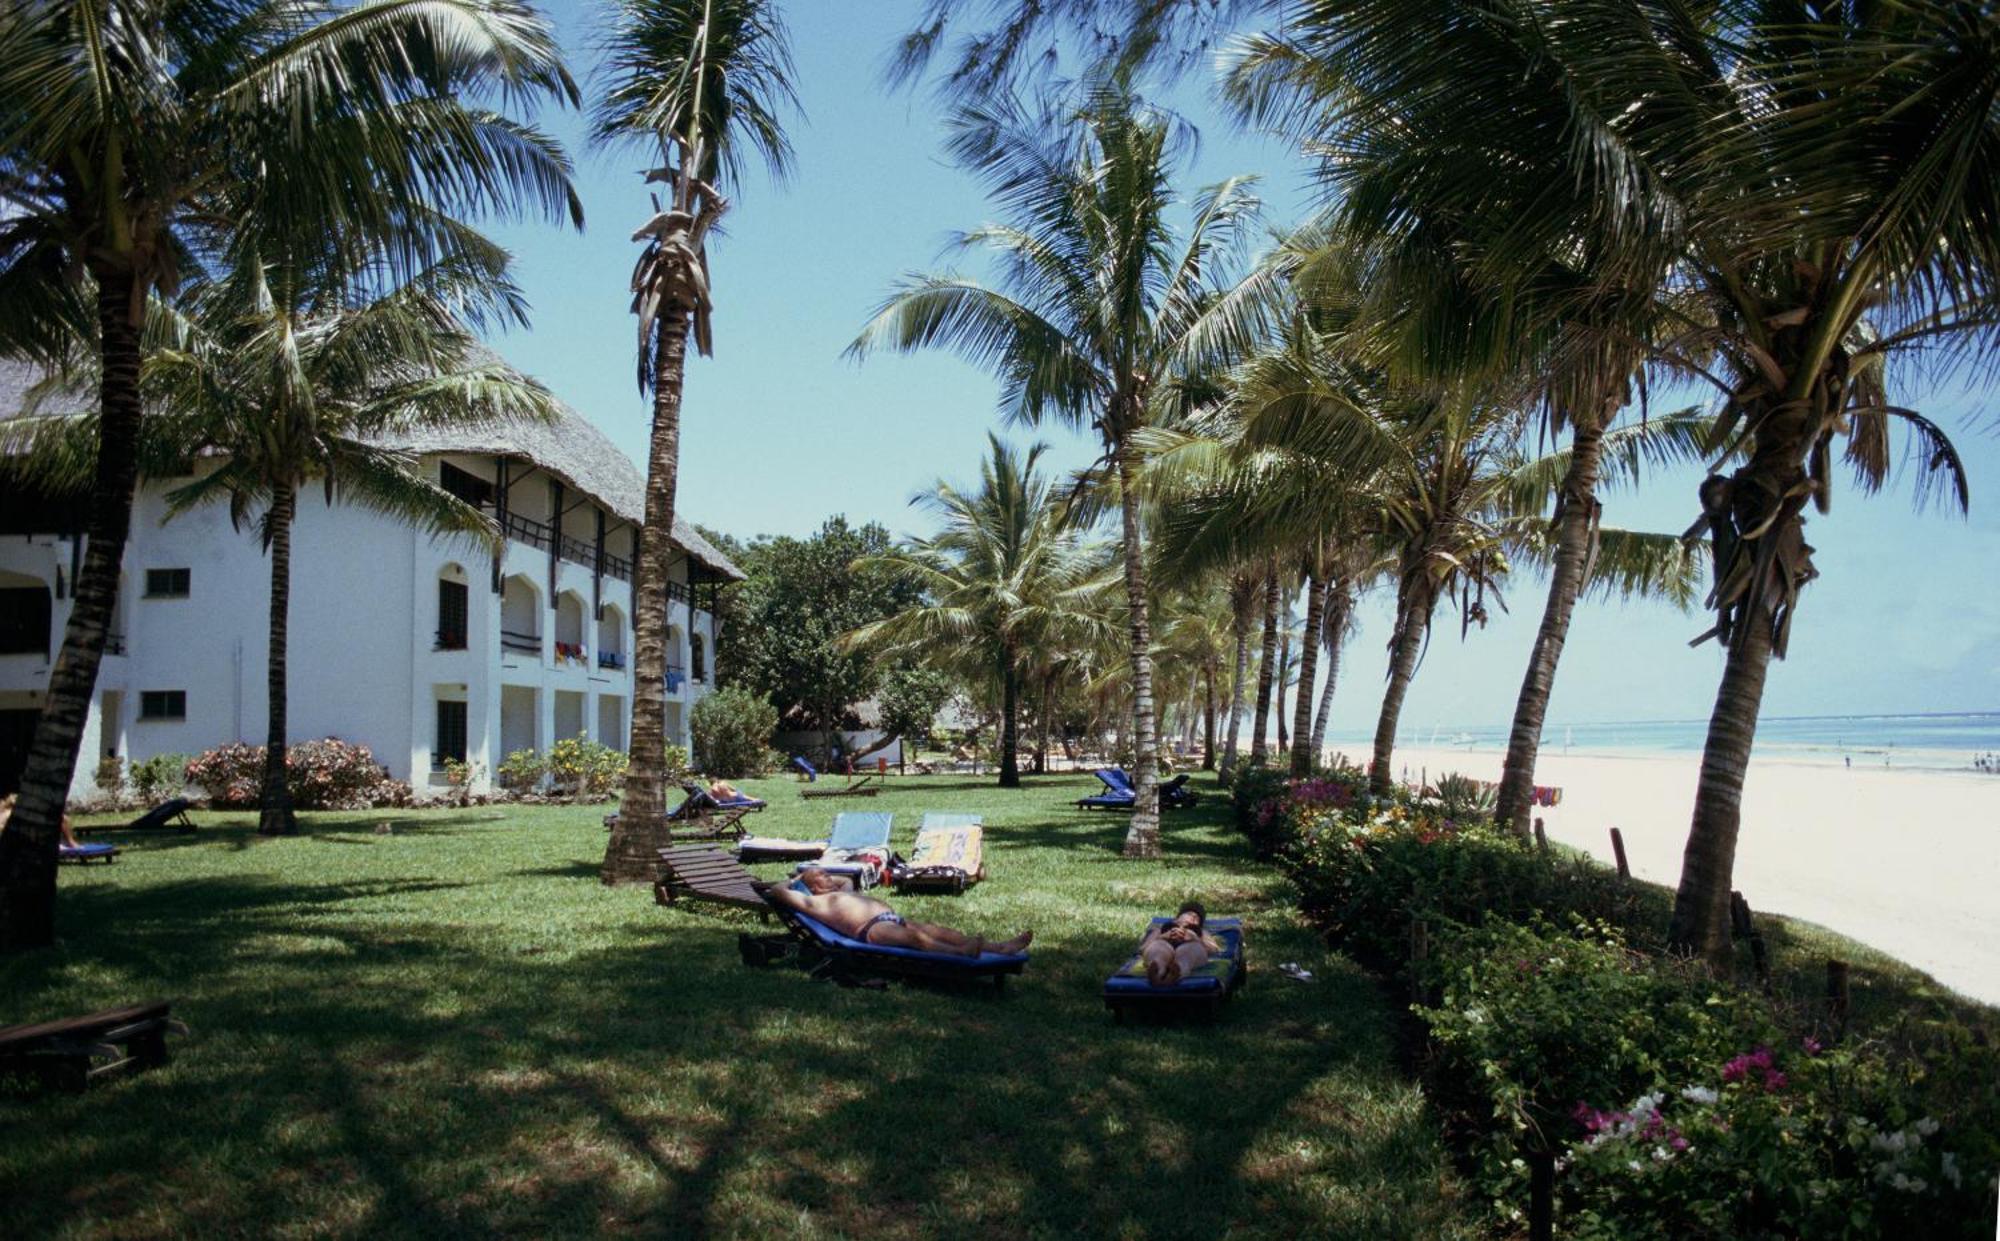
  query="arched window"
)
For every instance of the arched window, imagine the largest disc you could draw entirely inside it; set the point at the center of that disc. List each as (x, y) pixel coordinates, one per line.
(697, 658)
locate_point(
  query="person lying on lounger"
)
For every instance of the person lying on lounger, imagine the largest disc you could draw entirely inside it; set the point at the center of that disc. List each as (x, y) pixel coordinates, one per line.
(1178, 949)
(829, 899)
(723, 791)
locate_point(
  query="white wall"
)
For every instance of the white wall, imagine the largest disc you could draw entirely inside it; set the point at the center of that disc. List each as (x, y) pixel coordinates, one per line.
(362, 658)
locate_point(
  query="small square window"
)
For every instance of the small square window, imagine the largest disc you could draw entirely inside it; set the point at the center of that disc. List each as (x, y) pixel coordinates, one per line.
(167, 583)
(163, 704)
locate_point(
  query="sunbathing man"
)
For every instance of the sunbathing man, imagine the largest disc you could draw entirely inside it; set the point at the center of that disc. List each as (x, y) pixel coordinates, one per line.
(829, 899)
(1178, 949)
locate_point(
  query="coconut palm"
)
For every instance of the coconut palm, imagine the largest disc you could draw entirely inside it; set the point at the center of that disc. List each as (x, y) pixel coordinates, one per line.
(1819, 181)
(291, 384)
(700, 86)
(140, 137)
(1005, 578)
(1242, 615)
(1099, 304)
(1197, 629)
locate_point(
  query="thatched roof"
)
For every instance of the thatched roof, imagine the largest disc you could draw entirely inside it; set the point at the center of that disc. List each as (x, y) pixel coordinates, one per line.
(575, 451)
(571, 448)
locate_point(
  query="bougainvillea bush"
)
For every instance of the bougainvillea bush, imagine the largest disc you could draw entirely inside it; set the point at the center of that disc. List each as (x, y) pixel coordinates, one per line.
(1665, 1102)
(329, 774)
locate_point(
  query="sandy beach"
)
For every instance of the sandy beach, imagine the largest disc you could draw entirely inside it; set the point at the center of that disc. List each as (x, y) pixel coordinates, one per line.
(1905, 861)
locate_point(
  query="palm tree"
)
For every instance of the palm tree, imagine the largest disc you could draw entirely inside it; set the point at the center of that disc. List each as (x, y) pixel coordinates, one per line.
(292, 383)
(1818, 181)
(1005, 579)
(1242, 615)
(699, 85)
(1196, 631)
(1101, 305)
(136, 139)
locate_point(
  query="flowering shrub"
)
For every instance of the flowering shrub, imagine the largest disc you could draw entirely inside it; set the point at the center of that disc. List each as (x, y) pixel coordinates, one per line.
(329, 774)
(522, 770)
(585, 769)
(1774, 1144)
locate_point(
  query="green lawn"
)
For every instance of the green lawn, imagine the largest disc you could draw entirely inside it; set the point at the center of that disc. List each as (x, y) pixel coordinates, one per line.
(454, 1029)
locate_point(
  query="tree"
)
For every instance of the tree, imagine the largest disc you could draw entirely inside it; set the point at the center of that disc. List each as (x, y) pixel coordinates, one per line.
(1100, 304)
(699, 85)
(911, 698)
(1001, 579)
(294, 383)
(138, 138)
(1818, 180)
(782, 628)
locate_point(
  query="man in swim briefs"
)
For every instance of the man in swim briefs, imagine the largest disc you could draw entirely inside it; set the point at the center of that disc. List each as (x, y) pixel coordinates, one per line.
(829, 899)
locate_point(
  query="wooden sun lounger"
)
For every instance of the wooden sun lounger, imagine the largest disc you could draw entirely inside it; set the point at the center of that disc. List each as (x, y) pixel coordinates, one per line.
(703, 872)
(168, 814)
(76, 1051)
(864, 787)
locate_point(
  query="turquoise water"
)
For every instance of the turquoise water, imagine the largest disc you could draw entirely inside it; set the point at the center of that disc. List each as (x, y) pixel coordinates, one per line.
(1940, 741)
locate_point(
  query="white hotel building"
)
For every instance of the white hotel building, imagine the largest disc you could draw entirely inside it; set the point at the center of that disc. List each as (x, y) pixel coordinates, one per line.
(420, 648)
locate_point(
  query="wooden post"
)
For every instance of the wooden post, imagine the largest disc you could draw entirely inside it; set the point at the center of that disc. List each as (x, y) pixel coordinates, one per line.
(1744, 926)
(1541, 1196)
(1420, 951)
(1618, 851)
(1837, 995)
(1541, 837)
(1739, 916)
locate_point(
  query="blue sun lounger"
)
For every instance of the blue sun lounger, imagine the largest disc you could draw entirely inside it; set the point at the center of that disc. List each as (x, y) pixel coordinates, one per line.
(91, 851)
(1204, 992)
(826, 953)
(1117, 795)
(855, 832)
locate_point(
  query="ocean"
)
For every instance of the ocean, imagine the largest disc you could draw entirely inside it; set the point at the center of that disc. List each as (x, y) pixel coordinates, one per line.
(1938, 742)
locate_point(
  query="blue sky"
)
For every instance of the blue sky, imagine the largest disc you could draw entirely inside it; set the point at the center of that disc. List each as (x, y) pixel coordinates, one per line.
(780, 431)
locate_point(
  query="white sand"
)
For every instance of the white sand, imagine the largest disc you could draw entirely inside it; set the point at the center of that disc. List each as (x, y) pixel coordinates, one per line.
(1904, 861)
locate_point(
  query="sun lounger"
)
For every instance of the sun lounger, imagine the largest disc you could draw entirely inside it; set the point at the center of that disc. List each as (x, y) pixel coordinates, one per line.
(863, 787)
(826, 953)
(76, 1051)
(777, 849)
(1117, 795)
(702, 814)
(84, 854)
(168, 814)
(703, 872)
(1204, 992)
(948, 857)
(858, 847)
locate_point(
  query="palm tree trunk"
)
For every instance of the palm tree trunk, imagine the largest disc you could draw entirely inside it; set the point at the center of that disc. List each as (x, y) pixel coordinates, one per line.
(1410, 617)
(631, 854)
(1278, 692)
(1142, 838)
(1266, 667)
(1042, 753)
(1566, 582)
(274, 813)
(28, 846)
(1236, 689)
(1334, 628)
(1208, 719)
(1010, 727)
(1305, 756)
(1701, 905)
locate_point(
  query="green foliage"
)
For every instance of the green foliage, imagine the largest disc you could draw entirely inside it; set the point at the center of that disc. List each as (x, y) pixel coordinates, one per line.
(159, 777)
(110, 777)
(780, 628)
(589, 770)
(1559, 1026)
(911, 697)
(732, 733)
(1462, 797)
